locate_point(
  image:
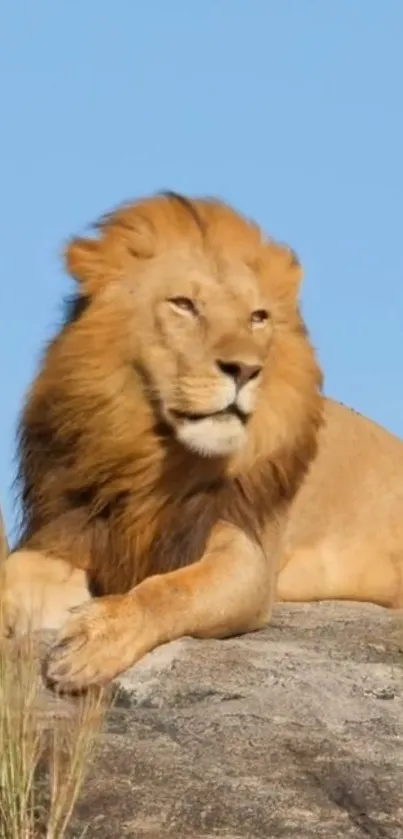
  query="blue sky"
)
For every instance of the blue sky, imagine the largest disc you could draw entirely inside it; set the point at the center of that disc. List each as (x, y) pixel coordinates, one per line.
(290, 109)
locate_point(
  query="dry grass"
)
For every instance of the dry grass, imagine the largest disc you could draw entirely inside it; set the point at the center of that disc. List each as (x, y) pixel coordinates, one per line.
(44, 757)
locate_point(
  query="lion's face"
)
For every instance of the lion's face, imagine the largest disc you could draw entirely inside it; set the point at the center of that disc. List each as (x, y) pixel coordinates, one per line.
(203, 346)
(203, 305)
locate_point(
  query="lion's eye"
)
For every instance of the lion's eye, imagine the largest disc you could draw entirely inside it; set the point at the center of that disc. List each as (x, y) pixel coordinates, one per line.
(259, 317)
(184, 304)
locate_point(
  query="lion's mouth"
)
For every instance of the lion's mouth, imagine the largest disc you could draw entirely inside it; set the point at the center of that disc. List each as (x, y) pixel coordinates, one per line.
(230, 411)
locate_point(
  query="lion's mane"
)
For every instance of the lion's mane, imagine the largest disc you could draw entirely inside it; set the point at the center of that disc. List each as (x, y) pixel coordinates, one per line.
(103, 483)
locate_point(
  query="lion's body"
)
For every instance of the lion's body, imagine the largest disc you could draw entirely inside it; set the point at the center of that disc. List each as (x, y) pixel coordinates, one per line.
(344, 533)
(3, 540)
(168, 451)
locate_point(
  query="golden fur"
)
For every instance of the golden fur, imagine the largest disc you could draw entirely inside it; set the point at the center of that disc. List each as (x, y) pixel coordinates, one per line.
(168, 450)
(344, 533)
(3, 540)
(170, 424)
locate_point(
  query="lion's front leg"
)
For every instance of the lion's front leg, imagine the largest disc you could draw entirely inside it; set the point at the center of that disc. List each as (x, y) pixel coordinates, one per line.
(38, 591)
(229, 591)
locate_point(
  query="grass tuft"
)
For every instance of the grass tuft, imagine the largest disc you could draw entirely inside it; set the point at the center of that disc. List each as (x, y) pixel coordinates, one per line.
(44, 756)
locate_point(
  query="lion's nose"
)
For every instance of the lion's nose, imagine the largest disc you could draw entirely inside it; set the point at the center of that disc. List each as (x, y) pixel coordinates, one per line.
(239, 371)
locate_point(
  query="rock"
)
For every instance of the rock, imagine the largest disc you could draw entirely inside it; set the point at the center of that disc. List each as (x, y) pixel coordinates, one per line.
(296, 731)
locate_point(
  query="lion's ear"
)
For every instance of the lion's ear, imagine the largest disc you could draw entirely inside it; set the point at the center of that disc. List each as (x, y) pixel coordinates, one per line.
(83, 262)
(293, 274)
(285, 269)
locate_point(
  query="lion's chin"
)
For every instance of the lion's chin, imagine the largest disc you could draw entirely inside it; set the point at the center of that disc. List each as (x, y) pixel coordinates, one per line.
(212, 436)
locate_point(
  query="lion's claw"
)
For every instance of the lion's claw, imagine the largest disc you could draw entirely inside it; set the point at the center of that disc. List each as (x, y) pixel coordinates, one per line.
(88, 650)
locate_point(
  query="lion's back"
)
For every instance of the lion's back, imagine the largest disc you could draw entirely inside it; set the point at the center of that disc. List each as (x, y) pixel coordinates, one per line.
(354, 485)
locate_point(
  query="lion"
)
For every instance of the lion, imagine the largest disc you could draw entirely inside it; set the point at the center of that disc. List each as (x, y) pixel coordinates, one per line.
(3, 540)
(179, 464)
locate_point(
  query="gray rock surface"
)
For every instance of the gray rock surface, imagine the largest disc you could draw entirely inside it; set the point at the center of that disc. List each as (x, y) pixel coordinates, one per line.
(296, 731)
